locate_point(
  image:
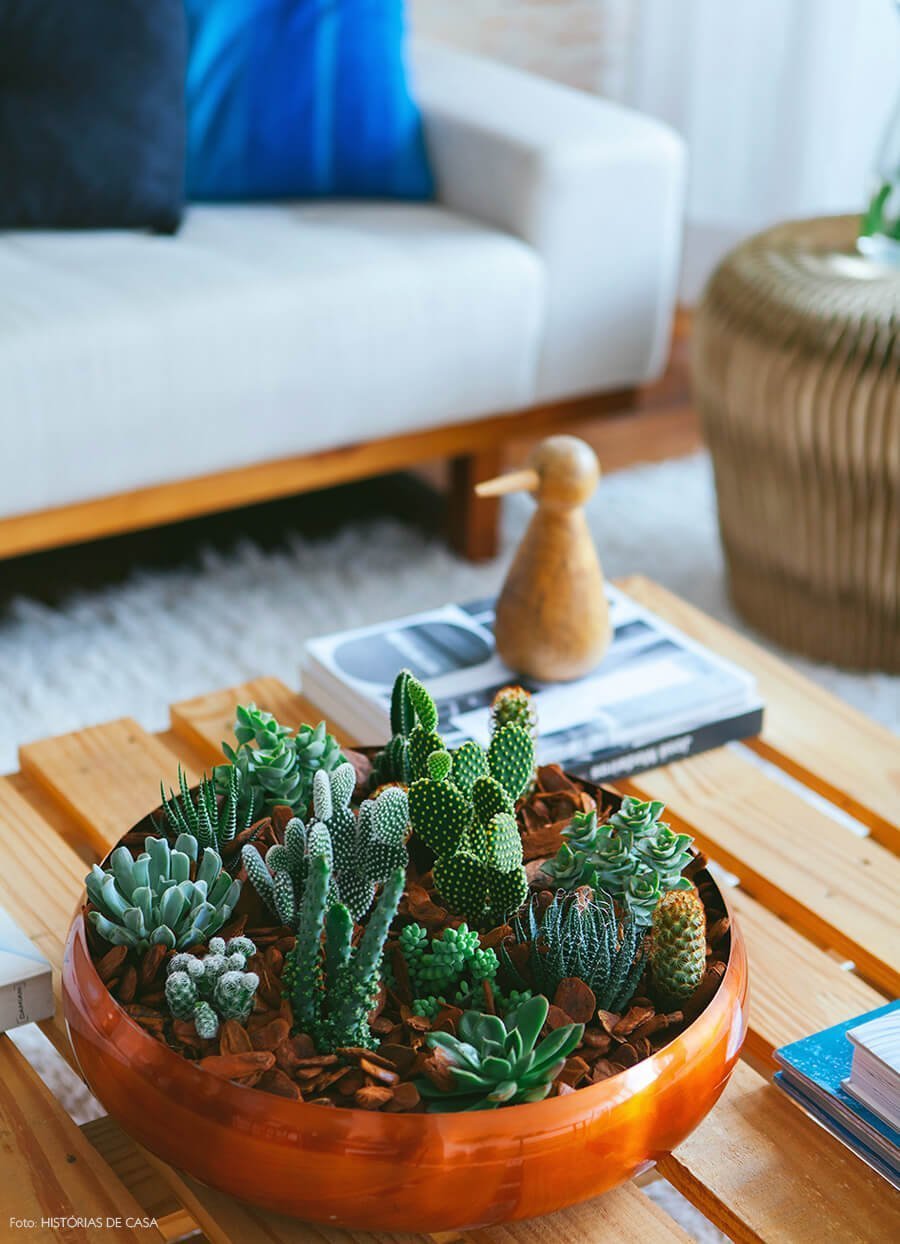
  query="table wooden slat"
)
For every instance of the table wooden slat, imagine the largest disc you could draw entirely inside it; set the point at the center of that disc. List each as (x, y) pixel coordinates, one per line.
(127, 1159)
(106, 777)
(838, 887)
(50, 1171)
(624, 1215)
(763, 1171)
(815, 736)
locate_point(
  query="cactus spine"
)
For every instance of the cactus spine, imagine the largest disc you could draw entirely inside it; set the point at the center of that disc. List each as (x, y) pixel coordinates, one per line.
(678, 946)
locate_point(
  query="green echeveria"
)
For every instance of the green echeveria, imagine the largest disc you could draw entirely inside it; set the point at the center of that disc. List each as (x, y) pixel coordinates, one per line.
(499, 1062)
(272, 761)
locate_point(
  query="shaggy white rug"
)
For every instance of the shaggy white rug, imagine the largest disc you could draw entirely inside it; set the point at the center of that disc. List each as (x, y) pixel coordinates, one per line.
(133, 648)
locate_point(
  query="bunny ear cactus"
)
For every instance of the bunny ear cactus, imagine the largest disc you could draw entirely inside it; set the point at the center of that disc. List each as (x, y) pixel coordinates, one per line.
(495, 1062)
(278, 765)
(677, 946)
(213, 988)
(151, 900)
(414, 719)
(210, 818)
(514, 705)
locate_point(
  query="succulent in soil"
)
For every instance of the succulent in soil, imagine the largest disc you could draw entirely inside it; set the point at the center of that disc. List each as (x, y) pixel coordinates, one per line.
(213, 819)
(214, 988)
(331, 983)
(464, 810)
(414, 719)
(677, 946)
(276, 763)
(514, 704)
(580, 935)
(445, 969)
(152, 899)
(363, 851)
(634, 856)
(495, 1062)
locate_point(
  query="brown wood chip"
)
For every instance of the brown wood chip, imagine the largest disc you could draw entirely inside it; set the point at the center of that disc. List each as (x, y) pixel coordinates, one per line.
(372, 1097)
(557, 1018)
(405, 1097)
(351, 1082)
(575, 998)
(111, 963)
(400, 1057)
(127, 986)
(150, 964)
(275, 1081)
(234, 1066)
(381, 1074)
(234, 1038)
(635, 1016)
(270, 1035)
(575, 1070)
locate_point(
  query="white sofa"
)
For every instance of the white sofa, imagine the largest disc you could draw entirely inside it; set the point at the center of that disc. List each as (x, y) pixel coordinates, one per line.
(266, 332)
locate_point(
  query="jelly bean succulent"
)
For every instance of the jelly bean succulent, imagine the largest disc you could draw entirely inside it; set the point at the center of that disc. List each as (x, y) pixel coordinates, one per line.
(215, 988)
(363, 850)
(276, 763)
(331, 983)
(445, 969)
(677, 946)
(212, 818)
(153, 899)
(497, 1062)
(582, 935)
(635, 857)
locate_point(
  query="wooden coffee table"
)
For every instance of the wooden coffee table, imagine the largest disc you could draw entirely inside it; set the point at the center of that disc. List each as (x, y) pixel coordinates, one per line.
(812, 897)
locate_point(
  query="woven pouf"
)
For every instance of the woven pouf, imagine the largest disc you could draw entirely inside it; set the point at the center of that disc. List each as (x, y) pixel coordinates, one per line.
(796, 369)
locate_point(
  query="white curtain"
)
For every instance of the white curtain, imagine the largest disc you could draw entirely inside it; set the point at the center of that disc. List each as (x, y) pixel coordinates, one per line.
(782, 103)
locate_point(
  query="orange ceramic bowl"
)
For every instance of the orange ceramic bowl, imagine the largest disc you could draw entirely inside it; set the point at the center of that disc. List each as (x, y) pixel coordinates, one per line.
(396, 1172)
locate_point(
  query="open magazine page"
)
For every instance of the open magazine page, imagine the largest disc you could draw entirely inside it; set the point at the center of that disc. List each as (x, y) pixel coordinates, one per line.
(654, 688)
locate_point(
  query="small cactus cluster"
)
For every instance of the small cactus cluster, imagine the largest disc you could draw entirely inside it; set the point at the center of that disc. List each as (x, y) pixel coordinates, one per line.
(276, 763)
(331, 983)
(154, 900)
(362, 851)
(635, 857)
(214, 988)
(446, 969)
(581, 935)
(414, 720)
(514, 704)
(677, 946)
(212, 818)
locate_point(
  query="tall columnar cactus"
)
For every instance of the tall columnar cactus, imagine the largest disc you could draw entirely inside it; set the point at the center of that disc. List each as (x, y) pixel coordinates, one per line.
(332, 984)
(634, 856)
(213, 988)
(151, 900)
(464, 810)
(414, 720)
(278, 765)
(677, 946)
(362, 850)
(581, 935)
(445, 969)
(212, 819)
(514, 704)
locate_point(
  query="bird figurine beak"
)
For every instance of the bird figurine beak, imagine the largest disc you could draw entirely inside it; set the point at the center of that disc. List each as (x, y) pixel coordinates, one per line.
(516, 481)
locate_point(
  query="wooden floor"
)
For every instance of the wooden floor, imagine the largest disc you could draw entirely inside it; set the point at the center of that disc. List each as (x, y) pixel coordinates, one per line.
(664, 426)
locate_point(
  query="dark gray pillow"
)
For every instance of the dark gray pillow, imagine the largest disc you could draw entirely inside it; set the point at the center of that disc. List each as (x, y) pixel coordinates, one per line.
(92, 117)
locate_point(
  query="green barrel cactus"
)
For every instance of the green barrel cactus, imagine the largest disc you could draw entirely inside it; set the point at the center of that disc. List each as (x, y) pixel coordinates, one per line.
(214, 988)
(151, 900)
(677, 946)
(499, 1062)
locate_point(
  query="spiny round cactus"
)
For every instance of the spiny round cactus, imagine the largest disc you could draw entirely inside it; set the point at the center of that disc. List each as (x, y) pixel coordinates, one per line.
(213, 988)
(678, 946)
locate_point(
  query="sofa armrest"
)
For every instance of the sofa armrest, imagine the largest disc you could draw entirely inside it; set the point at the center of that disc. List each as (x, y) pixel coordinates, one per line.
(595, 188)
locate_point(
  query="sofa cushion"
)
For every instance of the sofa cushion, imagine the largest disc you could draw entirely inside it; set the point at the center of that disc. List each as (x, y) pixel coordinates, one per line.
(92, 128)
(256, 333)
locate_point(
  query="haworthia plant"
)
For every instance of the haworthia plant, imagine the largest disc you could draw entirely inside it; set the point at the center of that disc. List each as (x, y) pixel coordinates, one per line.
(151, 900)
(214, 988)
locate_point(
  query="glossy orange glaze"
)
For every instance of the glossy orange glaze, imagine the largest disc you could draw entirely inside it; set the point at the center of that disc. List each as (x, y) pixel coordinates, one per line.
(420, 1172)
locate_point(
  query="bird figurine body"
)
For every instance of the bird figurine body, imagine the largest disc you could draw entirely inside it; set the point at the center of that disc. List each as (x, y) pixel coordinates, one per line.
(552, 621)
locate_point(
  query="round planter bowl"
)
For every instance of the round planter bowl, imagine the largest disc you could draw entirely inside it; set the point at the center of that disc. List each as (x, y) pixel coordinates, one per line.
(401, 1172)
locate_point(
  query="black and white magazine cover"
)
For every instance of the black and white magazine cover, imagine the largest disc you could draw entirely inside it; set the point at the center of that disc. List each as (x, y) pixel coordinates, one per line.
(657, 695)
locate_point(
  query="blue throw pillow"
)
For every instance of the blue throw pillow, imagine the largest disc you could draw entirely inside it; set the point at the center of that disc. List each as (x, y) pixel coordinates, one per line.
(301, 98)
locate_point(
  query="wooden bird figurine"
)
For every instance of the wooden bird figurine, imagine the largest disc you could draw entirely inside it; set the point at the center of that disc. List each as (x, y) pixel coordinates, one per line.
(552, 619)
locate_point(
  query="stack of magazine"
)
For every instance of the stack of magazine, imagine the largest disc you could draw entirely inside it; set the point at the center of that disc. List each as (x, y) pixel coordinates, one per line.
(847, 1078)
(657, 696)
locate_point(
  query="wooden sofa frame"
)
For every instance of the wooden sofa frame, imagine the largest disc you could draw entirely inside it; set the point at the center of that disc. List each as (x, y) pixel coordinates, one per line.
(474, 450)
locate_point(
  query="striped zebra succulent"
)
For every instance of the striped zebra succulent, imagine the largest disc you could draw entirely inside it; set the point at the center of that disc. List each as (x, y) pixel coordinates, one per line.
(213, 819)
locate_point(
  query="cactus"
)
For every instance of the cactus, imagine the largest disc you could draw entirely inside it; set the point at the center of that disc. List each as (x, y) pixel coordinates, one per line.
(635, 857)
(677, 946)
(464, 811)
(581, 935)
(332, 984)
(445, 969)
(213, 988)
(276, 764)
(151, 900)
(414, 719)
(498, 1062)
(514, 704)
(362, 850)
(211, 819)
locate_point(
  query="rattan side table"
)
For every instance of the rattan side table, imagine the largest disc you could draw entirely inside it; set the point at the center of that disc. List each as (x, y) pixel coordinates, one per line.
(796, 369)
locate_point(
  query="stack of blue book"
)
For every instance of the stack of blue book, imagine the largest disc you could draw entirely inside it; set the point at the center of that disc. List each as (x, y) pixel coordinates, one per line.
(847, 1078)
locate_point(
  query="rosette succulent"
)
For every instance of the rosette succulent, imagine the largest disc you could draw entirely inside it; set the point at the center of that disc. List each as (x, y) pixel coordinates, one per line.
(497, 1062)
(152, 900)
(214, 988)
(635, 857)
(278, 765)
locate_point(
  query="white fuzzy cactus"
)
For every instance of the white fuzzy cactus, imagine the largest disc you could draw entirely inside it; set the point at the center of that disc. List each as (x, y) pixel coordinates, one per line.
(213, 988)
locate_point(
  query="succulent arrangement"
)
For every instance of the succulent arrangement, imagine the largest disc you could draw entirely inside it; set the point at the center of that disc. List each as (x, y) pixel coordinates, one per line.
(634, 856)
(397, 956)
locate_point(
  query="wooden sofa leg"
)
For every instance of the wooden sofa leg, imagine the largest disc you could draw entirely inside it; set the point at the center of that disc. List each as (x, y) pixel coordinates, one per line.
(474, 523)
